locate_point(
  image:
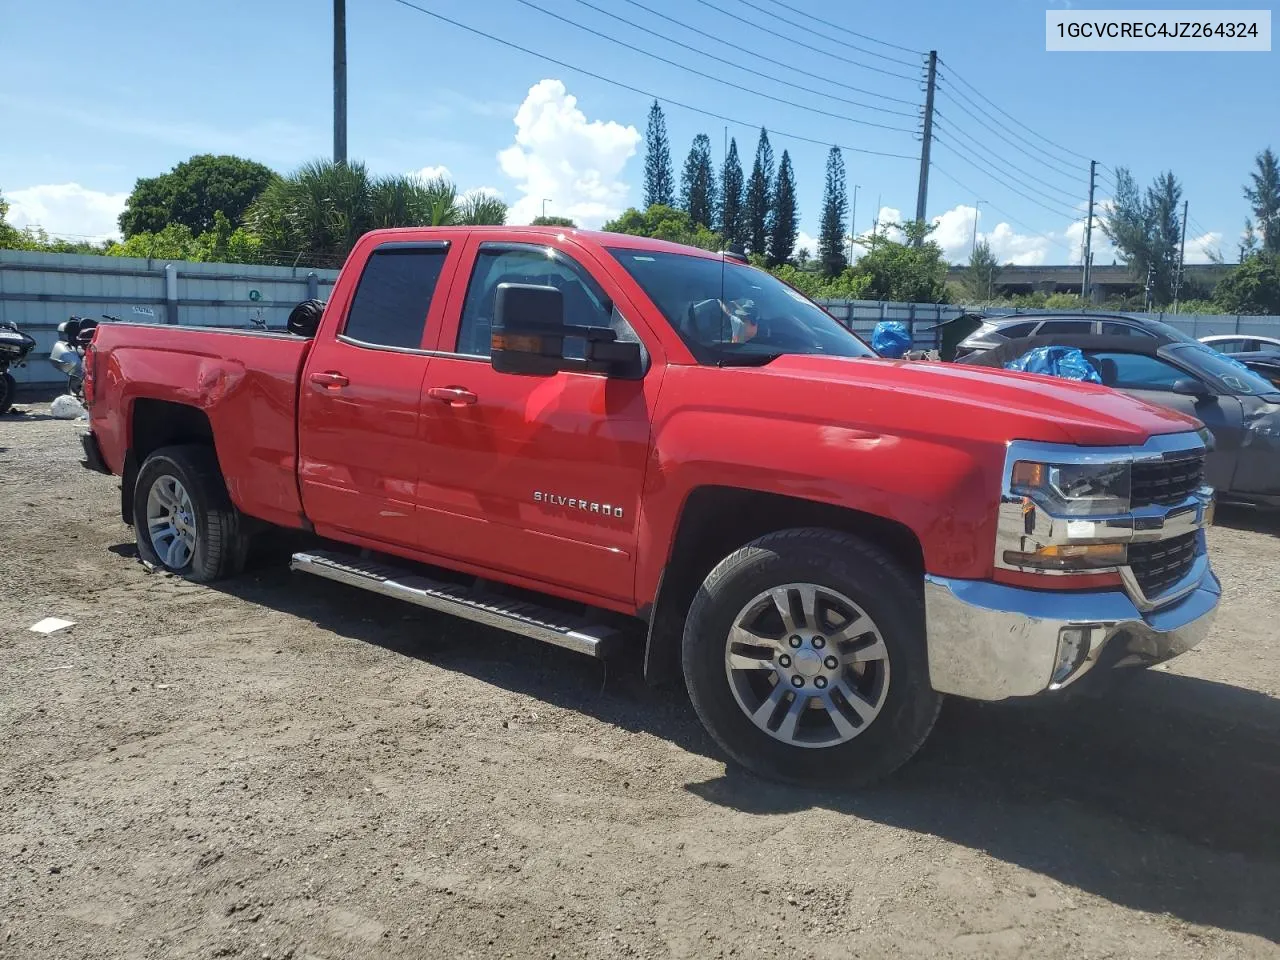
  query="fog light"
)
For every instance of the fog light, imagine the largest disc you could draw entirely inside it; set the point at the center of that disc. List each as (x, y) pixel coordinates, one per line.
(1071, 556)
(1073, 647)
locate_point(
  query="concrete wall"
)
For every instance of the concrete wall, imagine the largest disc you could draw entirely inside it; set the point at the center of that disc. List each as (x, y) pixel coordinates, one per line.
(40, 290)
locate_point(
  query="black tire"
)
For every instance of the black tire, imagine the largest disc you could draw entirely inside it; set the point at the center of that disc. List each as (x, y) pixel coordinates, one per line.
(221, 544)
(871, 579)
(8, 390)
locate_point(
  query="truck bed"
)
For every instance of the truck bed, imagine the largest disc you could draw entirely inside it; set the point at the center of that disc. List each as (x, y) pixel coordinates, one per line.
(245, 382)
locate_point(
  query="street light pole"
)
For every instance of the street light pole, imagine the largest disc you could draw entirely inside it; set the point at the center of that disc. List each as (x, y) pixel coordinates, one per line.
(853, 221)
(973, 247)
(545, 201)
(340, 81)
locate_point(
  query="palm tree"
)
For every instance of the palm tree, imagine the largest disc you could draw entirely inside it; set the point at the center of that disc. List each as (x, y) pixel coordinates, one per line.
(317, 213)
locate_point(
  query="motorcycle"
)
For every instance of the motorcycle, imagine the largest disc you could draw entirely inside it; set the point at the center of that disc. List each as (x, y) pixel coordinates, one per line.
(14, 347)
(74, 337)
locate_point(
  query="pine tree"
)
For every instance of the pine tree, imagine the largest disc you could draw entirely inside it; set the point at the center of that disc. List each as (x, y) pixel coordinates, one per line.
(731, 219)
(698, 183)
(1264, 197)
(835, 208)
(659, 180)
(786, 218)
(759, 202)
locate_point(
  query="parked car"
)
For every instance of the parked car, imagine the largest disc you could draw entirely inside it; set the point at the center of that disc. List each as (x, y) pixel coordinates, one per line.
(997, 331)
(1241, 343)
(1240, 407)
(1265, 363)
(566, 435)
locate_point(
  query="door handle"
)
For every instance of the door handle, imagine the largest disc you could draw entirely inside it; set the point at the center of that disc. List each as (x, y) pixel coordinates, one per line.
(453, 396)
(330, 378)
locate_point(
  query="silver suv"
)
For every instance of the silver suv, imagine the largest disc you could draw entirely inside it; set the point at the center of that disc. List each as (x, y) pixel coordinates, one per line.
(996, 331)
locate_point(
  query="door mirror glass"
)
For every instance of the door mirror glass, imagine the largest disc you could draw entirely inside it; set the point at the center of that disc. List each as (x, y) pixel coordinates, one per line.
(1190, 387)
(529, 337)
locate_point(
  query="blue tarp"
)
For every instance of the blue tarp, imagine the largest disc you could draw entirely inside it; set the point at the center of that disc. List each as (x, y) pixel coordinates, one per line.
(891, 339)
(1066, 362)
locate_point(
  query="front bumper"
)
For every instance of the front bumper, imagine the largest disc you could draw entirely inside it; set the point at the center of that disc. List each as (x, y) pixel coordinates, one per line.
(988, 641)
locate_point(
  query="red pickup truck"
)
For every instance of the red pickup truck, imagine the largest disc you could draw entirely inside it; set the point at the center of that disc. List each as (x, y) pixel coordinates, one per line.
(594, 439)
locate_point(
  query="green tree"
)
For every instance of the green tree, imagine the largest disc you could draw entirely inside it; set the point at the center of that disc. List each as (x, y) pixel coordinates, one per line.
(1253, 287)
(698, 183)
(835, 209)
(903, 271)
(8, 234)
(665, 223)
(192, 192)
(758, 208)
(1264, 196)
(1248, 241)
(316, 214)
(785, 223)
(730, 223)
(1147, 230)
(550, 221)
(980, 275)
(659, 180)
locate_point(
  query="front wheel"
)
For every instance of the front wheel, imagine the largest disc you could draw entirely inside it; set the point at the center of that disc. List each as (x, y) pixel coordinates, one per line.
(805, 658)
(183, 518)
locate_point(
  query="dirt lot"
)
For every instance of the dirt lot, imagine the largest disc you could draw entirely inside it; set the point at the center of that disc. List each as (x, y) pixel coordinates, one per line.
(287, 768)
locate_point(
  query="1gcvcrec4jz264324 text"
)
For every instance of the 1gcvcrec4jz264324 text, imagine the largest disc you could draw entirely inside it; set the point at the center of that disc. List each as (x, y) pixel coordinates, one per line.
(1158, 30)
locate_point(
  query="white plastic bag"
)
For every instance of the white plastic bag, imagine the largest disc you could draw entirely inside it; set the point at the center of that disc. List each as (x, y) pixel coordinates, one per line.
(67, 407)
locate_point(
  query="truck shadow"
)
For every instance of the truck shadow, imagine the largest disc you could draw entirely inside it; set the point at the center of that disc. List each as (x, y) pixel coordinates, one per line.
(1163, 797)
(1247, 518)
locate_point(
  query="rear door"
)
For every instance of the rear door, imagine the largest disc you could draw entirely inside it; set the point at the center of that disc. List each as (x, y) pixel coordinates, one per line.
(1152, 379)
(539, 477)
(359, 408)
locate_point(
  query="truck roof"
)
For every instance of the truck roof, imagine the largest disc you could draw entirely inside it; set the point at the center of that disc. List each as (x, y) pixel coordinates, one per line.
(597, 237)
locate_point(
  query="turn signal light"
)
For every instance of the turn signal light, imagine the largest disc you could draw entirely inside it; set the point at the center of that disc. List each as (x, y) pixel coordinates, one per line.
(1071, 556)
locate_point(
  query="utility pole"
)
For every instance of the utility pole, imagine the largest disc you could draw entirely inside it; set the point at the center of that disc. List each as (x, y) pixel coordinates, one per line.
(875, 222)
(973, 247)
(545, 200)
(340, 81)
(926, 141)
(1182, 257)
(1146, 305)
(853, 221)
(1088, 234)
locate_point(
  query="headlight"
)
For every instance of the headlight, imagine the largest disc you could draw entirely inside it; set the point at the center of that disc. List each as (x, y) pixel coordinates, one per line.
(1074, 489)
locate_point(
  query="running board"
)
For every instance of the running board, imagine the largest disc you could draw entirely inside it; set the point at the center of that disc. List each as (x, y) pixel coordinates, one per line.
(514, 616)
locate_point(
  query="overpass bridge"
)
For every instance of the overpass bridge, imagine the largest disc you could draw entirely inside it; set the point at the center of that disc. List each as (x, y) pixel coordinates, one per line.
(1105, 280)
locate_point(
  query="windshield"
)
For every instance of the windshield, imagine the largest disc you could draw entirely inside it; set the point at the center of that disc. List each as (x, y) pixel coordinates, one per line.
(1231, 375)
(1173, 333)
(730, 313)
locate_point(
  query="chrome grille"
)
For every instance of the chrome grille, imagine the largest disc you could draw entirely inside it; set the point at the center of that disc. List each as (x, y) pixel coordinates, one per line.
(1168, 481)
(1157, 565)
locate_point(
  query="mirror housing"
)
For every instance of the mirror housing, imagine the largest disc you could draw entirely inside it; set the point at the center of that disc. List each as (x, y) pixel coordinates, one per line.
(529, 333)
(1189, 387)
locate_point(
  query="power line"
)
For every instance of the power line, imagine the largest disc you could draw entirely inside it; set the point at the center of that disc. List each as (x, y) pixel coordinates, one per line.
(993, 157)
(713, 77)
(727, 62)
(801, 26)
(985, 99)
(1004, 183)
(809, 46)
(646, 93)
(1036, 153)
(852, 33)
(756, 54)
(1006, 214)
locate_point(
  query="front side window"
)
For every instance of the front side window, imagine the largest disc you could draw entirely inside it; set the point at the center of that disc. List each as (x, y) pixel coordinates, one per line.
(730, 313)
(393, 296)
(1122, 330)
(584, 303)
(1135, 371)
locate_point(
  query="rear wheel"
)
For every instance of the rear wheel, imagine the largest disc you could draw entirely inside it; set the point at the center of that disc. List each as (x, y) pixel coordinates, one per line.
(805, 659)
(183, 518)
(8, 388)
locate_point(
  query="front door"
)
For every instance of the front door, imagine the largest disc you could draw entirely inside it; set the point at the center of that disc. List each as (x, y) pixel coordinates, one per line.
(539, 477)
(359, 402)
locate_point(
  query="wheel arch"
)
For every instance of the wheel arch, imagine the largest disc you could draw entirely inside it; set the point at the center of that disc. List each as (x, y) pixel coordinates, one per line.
(716, 520)
(154, 424)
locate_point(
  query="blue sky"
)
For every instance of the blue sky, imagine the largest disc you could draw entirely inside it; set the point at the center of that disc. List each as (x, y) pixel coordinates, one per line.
(94, 95)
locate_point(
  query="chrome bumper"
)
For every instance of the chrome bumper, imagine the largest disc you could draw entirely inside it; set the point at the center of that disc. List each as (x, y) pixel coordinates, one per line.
(988, 641)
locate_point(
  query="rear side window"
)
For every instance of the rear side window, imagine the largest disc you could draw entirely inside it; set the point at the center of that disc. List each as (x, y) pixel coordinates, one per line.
(1016, 331)
(1123, 330)
(393, 297)
(1051, 328)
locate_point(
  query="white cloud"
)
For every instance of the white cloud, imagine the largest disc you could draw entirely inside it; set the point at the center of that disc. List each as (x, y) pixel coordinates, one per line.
(432, 173)
(482, 192)
(1199, 248)
(806, 242)
(67, 210)
(560, 156)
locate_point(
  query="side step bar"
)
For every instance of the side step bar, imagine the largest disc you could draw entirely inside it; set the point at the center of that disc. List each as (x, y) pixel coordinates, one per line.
(514, 616)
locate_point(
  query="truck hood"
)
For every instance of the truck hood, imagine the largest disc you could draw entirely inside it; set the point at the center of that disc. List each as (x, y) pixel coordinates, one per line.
(978, 402)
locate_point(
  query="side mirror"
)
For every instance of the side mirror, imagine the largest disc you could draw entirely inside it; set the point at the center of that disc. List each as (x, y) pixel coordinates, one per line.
(1190, 387)
(529, 333)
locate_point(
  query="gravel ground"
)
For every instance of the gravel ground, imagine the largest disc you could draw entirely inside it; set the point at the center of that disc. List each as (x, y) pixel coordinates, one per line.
(283, 767)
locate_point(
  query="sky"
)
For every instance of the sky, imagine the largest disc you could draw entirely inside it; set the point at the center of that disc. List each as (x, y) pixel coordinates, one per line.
(94, 96)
